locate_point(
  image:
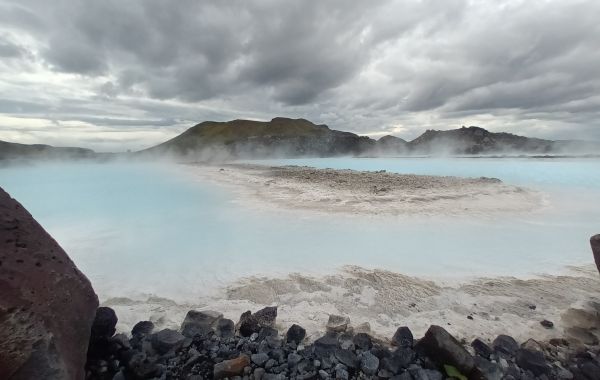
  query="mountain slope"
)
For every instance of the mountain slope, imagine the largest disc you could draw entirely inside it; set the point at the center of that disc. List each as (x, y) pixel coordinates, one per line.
(475, 140)
(278, 137)
(10, 150)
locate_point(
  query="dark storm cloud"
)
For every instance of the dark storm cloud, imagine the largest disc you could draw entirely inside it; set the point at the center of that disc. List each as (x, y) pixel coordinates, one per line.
(358, 65)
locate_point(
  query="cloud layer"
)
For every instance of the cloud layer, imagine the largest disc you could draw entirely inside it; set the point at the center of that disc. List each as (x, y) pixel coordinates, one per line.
(113, 75)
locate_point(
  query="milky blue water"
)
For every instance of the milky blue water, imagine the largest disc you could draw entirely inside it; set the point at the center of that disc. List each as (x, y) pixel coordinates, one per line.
(142, 228)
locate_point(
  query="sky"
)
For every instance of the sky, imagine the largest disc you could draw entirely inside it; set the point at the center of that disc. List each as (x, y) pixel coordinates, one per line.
(113, 75)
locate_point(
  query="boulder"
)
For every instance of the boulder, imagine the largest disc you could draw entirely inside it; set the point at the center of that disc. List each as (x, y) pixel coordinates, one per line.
(403, 337)
(166, 340)
(47, 305)
(252, 323)
(481, 348)
(337, 323)
(267, 316)
(225, 328)
(533, 361)
(199, 322)
(142, 328)
(505, 344)
(295, 334)
(326, 345)
(104, 323)
(369, 363)
(595, 243)
(362, 341)
(443, 348)
(230, 368)
(347, 358)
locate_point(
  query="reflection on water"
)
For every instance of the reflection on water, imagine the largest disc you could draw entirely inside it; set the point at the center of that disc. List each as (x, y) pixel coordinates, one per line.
(137, 228)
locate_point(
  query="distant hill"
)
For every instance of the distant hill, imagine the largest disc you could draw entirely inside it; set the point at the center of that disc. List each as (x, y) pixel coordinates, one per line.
(10, 150)
(391, 145)
(278, 137)
(475, 140)
(283, 137)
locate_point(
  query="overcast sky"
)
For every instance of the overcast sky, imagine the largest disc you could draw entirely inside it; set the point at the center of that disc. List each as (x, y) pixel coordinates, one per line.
(116, 75)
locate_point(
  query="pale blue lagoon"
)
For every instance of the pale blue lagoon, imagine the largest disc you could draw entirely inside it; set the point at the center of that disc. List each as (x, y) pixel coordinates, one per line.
(139, 229)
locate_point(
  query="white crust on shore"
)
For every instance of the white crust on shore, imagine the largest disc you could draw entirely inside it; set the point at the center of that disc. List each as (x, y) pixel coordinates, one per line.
(387, 300)
(368, 193)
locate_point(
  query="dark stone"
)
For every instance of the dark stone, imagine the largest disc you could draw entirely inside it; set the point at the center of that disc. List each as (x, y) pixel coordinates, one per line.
(295, 334)
(481, 348)
(347, 358)
(533, 361)
(326, 345)
(403, 337)
(230, 368)
(489, 370)
(369, 363)
(590, 370)
(547, 324)
(293, 359)
(267, 332)
(505, 344)
(595, 244)
(47, 305)
(199, 322)
(426, 374)
(259, 359)
(443, 348)
(104, 323)
(398, 360)
(225, 328)
(166, 340)
(362, 341)
(248, 325)
(266, 317)
(142, 328)
(142, 367)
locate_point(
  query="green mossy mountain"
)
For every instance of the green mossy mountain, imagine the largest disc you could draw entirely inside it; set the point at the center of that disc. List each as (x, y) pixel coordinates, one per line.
(278, 137)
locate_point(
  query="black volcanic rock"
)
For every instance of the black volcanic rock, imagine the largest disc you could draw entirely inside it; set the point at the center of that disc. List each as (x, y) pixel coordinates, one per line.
(47, 306)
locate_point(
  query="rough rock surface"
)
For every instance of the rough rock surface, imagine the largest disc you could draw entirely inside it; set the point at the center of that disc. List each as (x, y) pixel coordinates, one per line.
(47, 305)
(595, 243)
(341, 355)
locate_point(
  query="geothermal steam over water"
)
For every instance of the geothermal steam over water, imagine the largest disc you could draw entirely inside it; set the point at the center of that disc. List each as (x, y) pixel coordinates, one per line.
(139, 229)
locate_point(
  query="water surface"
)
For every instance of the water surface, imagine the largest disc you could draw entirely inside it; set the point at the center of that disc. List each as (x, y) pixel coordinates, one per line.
(140, 228)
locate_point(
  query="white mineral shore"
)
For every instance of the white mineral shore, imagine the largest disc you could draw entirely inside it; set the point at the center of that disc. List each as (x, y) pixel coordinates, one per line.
(387, 300)
(368, 193)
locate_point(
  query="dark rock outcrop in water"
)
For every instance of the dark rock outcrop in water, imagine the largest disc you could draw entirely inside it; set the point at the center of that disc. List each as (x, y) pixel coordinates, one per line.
(339, 354)
(595, 243)
(46, 305)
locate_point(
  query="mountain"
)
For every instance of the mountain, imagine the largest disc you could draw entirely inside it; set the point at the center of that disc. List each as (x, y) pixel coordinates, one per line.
(391, 145)
(476, 140)
(10, 150)
(248, 138)
(283, 137)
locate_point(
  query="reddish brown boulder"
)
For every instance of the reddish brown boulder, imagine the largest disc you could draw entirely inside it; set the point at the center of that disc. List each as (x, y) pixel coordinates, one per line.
(46, 304)
(230, 368)
(595, 243)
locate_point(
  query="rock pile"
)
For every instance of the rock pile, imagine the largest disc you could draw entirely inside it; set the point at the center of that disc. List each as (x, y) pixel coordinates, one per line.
(208, 346)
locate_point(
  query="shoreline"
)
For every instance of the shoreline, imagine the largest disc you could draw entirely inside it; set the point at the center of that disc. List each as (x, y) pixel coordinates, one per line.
(368, 193)
(477, 307)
